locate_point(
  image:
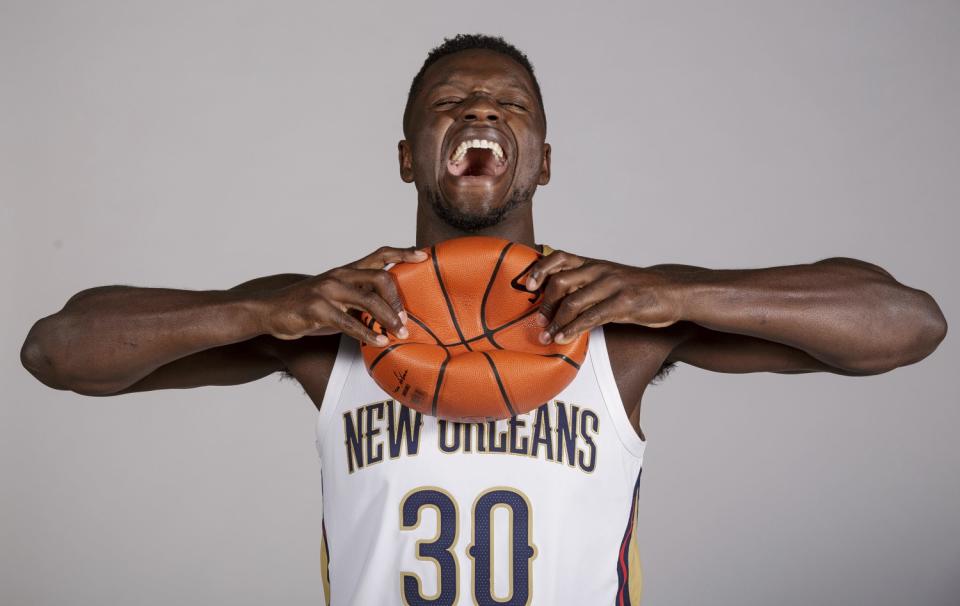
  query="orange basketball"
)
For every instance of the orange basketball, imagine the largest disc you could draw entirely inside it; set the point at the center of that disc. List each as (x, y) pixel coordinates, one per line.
(473, 352)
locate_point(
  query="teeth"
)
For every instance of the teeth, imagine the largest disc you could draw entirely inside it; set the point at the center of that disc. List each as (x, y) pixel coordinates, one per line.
(493, 146)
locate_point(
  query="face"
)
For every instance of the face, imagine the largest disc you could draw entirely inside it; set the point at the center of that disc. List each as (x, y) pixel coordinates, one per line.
(475, 145)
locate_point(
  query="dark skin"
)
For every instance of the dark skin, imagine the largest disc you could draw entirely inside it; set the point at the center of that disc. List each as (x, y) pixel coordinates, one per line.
(837, 315)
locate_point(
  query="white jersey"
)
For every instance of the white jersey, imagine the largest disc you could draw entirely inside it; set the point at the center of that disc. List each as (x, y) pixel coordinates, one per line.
(537, 509)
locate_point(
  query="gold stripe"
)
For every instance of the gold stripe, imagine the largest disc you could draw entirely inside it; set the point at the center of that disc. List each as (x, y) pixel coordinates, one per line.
(547, 250)
(325, 571)
(635, 582)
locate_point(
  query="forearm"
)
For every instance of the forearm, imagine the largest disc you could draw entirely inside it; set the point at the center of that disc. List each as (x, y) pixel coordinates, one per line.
(843, 312)
(110, 337)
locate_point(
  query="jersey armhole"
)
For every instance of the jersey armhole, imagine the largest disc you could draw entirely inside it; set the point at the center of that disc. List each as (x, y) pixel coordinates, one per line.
(331, 395)
(611, 394)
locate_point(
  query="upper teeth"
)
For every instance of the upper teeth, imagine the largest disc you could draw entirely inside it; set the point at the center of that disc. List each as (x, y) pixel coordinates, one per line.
(478, 144)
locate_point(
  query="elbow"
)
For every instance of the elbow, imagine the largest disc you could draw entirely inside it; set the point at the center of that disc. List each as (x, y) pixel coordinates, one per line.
(926, 328)
(36, 355)
(42, 355)
(933, 325)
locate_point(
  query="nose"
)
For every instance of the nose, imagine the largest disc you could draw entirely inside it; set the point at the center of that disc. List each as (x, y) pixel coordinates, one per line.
(479, 108)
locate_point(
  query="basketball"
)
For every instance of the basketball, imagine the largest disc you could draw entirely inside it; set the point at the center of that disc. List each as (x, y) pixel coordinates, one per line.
(473, 352)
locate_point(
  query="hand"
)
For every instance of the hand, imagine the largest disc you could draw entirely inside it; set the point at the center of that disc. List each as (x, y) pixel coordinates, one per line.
(581, 293)
(319, 305)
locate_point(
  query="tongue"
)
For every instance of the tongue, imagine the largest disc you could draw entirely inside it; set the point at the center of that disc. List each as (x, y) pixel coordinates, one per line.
(475, 163)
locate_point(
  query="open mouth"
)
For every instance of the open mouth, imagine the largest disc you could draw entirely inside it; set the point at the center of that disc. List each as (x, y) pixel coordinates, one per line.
(477, 158)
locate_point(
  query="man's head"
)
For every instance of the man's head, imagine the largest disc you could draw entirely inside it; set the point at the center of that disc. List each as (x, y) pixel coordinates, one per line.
(474, 130)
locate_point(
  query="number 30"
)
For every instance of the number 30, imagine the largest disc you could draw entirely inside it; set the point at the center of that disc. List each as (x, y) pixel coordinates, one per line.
(440, 548)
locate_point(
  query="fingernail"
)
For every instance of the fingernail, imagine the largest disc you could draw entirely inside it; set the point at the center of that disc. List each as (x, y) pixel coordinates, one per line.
(420, 254)
(403, 333)
(403, 317)
(541, 319)
(545, 337)
(531, 283)
(382, 340)
(559, 338)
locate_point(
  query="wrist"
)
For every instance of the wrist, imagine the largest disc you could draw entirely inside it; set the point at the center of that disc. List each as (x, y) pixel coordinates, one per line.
(688, 290)
(253, 312)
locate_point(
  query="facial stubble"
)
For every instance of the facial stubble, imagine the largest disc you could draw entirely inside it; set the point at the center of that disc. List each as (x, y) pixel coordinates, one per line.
(472, 222)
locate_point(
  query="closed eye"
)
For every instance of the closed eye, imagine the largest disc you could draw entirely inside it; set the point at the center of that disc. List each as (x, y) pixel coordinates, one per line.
(513, 104)
(447, 102)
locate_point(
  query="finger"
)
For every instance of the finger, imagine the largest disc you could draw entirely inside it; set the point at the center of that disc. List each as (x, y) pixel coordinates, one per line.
(357, 329)
(372, 302)
(383, 283)
(574, 304)
(385, 255)
(599, 314)
(550, 264)
(561, 284)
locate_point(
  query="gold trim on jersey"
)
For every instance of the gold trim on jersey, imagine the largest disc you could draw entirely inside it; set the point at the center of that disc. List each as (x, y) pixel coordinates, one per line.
(325, 569)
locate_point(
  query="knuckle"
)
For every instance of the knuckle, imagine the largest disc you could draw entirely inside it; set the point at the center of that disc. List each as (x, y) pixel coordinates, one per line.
(316, 310)
(326, 285)
(591, 315)
(549, 296)
(567, 306)
(629, 298)
(610, 280)
(385, 280)
(341, 321)
(391, 320)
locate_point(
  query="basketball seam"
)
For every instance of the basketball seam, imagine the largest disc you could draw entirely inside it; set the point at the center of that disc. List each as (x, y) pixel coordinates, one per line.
(424, 326)
(471, 339)
(503, 391)
(483, 303)
(436, 390)
(446, 298)
(420, 323)
(562, 357)
(383, 353)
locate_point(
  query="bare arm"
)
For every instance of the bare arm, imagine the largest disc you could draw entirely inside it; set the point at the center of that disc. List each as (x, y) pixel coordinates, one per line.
(839, 315)
(106, 340)
(116, 339)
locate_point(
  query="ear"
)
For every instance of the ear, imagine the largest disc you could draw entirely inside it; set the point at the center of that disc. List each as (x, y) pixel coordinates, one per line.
(545, 166)
(406, 161)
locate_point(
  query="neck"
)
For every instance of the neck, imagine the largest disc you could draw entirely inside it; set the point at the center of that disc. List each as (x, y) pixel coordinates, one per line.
(516, 226)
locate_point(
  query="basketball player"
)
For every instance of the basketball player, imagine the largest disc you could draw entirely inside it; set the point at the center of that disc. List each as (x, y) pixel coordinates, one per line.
(536, 509)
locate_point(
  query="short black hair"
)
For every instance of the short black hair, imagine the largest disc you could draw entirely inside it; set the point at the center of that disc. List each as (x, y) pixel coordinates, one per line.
(462, 42)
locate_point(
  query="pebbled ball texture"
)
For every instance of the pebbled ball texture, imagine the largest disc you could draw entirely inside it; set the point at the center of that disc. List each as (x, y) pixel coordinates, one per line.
(473, 352)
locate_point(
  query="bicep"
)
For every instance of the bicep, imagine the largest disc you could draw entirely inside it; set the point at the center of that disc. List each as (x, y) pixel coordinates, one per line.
(734, 353)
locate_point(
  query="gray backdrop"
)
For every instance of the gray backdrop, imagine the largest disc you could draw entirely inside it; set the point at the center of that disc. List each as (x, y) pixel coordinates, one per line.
(199, 144)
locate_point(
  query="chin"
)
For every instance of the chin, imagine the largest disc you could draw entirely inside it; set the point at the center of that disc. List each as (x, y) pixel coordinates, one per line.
(472, 213)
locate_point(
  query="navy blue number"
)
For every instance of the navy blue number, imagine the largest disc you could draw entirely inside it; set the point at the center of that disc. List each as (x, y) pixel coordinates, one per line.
(522, 553)
(440, 549)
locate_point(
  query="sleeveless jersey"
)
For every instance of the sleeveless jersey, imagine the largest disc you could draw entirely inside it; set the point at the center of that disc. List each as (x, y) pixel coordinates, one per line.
(536, 509)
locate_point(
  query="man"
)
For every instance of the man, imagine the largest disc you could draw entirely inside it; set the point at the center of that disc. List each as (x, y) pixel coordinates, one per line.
(537, 509)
